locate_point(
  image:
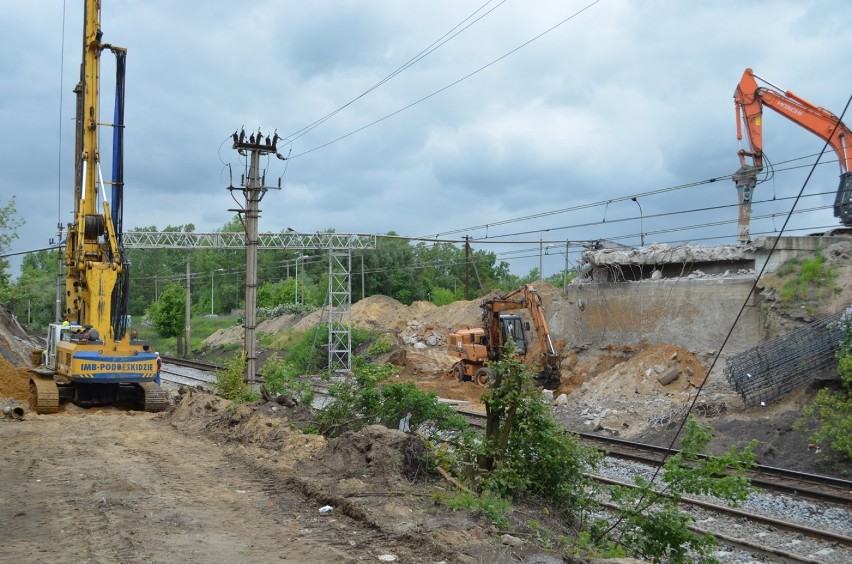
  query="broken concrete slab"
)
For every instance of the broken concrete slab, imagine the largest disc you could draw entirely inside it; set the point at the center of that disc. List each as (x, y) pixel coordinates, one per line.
(669, 375)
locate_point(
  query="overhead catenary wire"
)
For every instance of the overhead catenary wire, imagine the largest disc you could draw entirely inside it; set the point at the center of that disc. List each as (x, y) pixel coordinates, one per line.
(435, 45)
(451, 84)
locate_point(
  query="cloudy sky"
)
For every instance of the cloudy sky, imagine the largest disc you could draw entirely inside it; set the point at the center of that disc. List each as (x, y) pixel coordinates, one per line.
(523, 116)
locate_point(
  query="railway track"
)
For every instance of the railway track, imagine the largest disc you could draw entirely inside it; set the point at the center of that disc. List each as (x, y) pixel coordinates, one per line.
(814, 486)
(188, 372)
(822, 488)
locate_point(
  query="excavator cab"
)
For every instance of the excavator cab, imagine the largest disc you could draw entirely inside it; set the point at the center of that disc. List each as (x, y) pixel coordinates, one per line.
(515, 328)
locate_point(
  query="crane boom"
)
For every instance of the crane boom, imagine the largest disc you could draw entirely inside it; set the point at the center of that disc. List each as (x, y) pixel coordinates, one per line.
(749, 99)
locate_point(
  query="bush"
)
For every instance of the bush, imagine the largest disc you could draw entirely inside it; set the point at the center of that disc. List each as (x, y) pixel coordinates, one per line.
(381, 345)
(525, 450)
(830, 414)
(367, 399)
(651, 524)
(281, 378)
(230, 383)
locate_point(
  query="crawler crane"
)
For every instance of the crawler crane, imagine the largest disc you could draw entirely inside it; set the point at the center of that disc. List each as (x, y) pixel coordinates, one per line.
(90, 358)
(473, 346)
(750, 98)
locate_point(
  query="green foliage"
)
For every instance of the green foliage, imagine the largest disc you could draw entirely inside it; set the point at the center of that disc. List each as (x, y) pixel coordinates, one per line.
(829, 416)
(168, 315)
(33, 296)
(806, 278)
(559, 279)
(230, 383)
(442, 296)
(368, 399)
(305, 350)
(9, 224)
(271, 294)
(381, 345)
(650, 522)
(525, 450)
(494, 507)
(282, 378)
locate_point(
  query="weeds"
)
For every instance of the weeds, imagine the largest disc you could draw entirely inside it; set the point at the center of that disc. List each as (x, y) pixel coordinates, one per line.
(829, 416)
(230, 383)
(495, 508)
(281, 378)
(808, 278)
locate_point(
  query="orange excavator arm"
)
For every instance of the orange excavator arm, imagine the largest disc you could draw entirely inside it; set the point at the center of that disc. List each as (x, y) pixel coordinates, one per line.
(526, 297)
(749, 99)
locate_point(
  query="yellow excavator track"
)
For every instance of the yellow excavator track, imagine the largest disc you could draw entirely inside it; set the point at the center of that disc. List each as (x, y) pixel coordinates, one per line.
(44, 394)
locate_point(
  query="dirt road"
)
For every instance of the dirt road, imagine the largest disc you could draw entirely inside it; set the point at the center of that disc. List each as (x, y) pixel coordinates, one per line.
(114, 486)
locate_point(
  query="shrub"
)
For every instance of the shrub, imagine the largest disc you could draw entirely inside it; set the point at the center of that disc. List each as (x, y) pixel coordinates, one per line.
(230, 382)
(281, 378)
(381, 345)
(368, 399)
(830, 414)
(651, 524)
(525, 450)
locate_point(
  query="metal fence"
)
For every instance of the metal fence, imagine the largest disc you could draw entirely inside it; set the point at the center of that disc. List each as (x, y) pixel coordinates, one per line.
(786, 363)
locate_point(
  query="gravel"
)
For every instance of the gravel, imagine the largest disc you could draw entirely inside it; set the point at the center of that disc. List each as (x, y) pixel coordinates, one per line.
(818, 515)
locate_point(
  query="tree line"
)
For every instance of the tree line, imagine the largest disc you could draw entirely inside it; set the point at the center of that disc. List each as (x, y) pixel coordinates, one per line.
(406, 271)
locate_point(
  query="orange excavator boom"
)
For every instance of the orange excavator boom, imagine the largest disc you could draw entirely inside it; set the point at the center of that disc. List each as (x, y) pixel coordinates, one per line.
(750, 98)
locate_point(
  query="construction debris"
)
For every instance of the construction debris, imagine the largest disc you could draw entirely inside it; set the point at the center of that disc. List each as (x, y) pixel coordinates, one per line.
(781, 365)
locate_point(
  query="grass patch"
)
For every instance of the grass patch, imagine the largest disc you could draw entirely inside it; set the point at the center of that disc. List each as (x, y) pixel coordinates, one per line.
(806, 279)
(494, 507)
(201, 327)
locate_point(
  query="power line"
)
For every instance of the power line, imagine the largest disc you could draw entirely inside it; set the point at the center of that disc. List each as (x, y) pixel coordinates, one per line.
(609, 201)
(435, 45)
(450, 85)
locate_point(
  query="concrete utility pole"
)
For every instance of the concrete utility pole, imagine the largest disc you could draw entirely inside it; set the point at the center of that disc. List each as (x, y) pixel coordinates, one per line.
(187, 312)
(253, 188)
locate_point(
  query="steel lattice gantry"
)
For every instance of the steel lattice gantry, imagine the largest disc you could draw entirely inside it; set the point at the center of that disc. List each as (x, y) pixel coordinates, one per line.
(237, 240)
(339, 246)
(339, 310)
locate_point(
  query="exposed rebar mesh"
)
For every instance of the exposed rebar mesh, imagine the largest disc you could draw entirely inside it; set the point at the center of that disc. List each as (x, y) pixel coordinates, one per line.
(791, 361)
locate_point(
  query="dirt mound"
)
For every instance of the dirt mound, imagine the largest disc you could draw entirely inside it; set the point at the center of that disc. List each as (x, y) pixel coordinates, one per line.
(624, 390)
(15, 359)
(382, 455)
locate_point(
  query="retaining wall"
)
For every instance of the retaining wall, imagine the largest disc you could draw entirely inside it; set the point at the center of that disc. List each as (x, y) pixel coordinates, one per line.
(692, 313)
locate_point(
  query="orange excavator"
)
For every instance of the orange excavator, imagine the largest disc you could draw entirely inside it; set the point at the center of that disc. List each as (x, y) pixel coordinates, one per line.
(473, 346)
(750, 98)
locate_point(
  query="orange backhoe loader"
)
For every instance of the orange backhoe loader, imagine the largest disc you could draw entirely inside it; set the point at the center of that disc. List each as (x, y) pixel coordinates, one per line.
(473, 346)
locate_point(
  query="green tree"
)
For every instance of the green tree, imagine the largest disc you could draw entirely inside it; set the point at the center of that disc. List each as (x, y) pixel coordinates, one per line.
(33, 297)
(167, 315)
(9, 224)
(525, 450)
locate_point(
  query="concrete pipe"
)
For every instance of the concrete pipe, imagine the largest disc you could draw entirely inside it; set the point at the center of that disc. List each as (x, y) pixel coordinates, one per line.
(16, 412)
